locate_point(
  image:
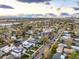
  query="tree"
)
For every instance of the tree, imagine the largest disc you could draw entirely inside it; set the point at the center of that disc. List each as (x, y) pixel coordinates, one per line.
(45, 39)
(74, 55)
(47, 53)
(69, 42)
(28, 27)
(53, 49)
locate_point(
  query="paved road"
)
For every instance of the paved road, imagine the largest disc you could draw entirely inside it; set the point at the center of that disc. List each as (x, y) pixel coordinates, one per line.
(41, 50)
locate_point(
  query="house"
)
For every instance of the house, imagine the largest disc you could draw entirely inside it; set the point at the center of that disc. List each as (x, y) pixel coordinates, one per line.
(47, 30)
(13, 37)
(76, 41)
(6, 49)
(31, 38)
(59, 50)
(65, 32)
(75, 47)
(62, 56)
(17, 52)
(68, 51)
(9, 57)
(57, 56)
(1, 53)
(26, 44)
(61, 45)
(30, 32)
(66, 35)
(76, 44)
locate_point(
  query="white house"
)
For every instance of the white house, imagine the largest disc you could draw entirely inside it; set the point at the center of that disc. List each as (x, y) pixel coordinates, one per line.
(6, 49)
(17, 52)
(26, 44)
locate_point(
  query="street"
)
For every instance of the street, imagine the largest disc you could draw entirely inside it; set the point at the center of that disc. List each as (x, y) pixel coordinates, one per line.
(41, 50)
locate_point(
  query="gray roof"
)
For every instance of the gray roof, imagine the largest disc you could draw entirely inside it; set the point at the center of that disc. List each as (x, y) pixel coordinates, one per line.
(57, 56)
(1, 53)
(10, 57)
(2, 45)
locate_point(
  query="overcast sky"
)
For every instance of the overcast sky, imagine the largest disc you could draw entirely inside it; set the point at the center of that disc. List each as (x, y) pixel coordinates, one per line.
(26, 7)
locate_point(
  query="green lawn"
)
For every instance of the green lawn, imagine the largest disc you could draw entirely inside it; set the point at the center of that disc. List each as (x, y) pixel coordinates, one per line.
(25, 56)
(29, 52)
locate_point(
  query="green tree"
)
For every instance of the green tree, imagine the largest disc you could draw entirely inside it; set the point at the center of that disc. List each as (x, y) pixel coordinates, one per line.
(53, 48)
(74, 55)
(69, 42)
(45, 39)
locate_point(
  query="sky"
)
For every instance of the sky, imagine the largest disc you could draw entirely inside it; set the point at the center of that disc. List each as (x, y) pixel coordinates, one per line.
(38, 7)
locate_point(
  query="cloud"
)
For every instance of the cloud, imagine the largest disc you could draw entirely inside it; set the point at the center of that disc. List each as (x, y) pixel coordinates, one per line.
(24, 8)
(32, 8)
(51, 14)
(68, 10)
(64, 14)
(76, 8)
(6, 7)
(31, 1)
